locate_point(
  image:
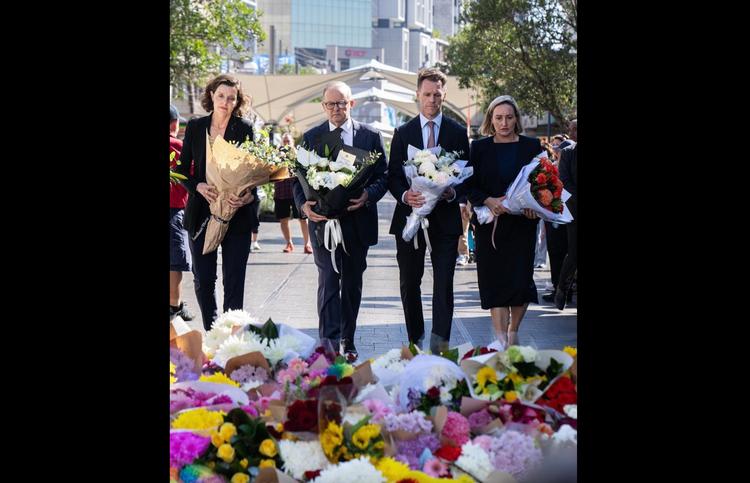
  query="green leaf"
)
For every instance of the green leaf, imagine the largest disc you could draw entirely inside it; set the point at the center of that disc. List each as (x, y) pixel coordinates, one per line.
(413, 349)
(527, 369)
(451, 355)
(269, 330)
(326, 150)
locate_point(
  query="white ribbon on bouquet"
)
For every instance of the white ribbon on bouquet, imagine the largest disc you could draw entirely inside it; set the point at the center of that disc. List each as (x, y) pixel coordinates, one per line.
(333, 237)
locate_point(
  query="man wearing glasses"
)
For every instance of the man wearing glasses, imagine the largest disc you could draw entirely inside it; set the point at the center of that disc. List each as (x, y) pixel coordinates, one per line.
(339, 294)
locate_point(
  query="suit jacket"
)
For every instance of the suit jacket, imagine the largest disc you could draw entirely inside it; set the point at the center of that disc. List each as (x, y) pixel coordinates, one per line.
(569, 175)
(446, 217)
(360, 226)
(481, 187)
(194, 151)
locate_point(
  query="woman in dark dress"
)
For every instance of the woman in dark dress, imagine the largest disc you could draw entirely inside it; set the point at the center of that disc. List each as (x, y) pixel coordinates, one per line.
(505, 270)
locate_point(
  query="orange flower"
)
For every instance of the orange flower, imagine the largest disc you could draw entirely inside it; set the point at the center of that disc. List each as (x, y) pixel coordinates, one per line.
(545, 197)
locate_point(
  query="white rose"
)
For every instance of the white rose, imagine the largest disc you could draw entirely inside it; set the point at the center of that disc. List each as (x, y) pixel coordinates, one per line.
(323, 162)
(440, 177)
(427, 168)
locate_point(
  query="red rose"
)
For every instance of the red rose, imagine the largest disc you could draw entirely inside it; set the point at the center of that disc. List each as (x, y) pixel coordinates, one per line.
(557, 193)
(302, 416)
(544, 197)
(541, 178)
(448, 452)
(433, 392)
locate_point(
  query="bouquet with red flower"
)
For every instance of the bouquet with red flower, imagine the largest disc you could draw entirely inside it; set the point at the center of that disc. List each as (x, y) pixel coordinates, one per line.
(559, 395)
(538, 188)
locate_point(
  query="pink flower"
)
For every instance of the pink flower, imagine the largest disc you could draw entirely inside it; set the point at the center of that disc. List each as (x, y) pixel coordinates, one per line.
(435, 468)
(456, 428)
(483, 441)
(298, 366)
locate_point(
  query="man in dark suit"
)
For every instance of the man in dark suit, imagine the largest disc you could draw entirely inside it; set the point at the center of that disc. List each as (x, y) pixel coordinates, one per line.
(569, 177)
(339, 294)
(429, 129)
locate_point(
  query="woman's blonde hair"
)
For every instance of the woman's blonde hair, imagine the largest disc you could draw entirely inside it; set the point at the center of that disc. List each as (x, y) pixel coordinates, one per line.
(487, 129)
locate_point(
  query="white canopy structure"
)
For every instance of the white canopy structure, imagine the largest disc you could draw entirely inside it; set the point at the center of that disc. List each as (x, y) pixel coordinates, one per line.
(285, 99)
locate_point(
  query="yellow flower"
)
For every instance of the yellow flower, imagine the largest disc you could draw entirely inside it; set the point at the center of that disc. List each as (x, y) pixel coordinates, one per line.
(216, 439)
(515, 378)
(244, 463)
(393, 470)
(227, 430)
(172, 368)
(348, 371)
(485, 375)
(360, 439)
(379, 445)
(333, 436)
(266, 414)
(267, 464)
(198, 419)
(268, 448)
(220, 378)
(240, 478)
(510, 396)
(279, 427)
(172, 379)
(226, 452)
(572, 351)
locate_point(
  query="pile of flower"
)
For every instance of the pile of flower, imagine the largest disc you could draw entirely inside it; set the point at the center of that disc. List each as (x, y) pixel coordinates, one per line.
(319, 419)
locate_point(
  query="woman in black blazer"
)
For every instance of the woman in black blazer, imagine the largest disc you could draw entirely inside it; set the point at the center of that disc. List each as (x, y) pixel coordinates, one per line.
(224, 99)
(505, 270)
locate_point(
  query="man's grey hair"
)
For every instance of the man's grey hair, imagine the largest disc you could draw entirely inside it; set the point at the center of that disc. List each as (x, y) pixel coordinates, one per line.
(341, 87)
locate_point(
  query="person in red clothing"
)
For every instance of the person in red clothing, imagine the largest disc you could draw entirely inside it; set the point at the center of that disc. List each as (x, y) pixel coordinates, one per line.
(179, 255)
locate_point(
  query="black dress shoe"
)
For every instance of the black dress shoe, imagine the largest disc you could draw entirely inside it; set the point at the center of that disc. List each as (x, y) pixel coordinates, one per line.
(560, 297)
(550, 297)
(348, 350)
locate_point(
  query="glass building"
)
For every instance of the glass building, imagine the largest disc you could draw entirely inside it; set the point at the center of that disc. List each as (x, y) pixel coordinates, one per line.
(303, 28)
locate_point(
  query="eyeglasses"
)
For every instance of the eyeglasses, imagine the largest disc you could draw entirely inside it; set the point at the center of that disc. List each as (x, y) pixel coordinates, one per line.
(331, 105)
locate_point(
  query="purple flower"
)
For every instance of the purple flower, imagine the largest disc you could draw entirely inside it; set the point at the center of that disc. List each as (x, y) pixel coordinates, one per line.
(413, 422)
(410, 450)
(515, 453)
(480, 419)
(248, 373)
(184, 366)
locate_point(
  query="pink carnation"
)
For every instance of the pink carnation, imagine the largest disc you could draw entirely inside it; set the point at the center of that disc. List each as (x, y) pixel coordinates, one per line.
(456, 428)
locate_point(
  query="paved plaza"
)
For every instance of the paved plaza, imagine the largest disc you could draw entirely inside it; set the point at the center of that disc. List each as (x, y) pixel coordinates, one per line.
(283, 286)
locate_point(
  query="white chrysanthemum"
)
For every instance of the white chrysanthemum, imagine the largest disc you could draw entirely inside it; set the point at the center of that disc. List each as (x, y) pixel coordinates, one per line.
(427, 168)
(391, 361)
(291, 343)
(571, 410)
(233, 318)
(566, 434)
(214, 338)
(235, 346)
(359, 470)
(274, 351)
(475, 460)
(301, 456)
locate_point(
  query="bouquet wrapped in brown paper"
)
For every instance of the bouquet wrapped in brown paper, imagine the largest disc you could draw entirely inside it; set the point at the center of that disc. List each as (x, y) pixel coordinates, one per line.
(232, 169)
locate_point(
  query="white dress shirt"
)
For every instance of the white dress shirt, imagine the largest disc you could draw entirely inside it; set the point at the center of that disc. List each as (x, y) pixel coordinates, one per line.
(425, 138)
(347, 135)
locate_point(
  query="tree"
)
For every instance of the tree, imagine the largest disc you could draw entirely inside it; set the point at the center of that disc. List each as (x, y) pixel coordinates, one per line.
(198, 30)
(290, 69)
(525, 48)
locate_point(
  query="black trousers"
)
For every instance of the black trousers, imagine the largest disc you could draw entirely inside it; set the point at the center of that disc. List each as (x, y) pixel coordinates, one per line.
(411, 270)
(557, 247)
(339, 294)
(570, 264)
(235, 249)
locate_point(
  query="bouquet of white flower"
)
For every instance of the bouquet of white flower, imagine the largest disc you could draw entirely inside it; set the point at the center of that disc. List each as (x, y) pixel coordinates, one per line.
(430, 171)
